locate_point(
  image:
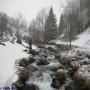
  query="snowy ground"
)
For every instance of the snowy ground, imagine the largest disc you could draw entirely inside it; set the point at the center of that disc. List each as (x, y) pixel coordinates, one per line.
(83, 40)
(8, 55)
(12, 52)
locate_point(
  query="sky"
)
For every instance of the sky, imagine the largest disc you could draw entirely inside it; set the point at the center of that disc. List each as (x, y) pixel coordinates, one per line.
(30, 8)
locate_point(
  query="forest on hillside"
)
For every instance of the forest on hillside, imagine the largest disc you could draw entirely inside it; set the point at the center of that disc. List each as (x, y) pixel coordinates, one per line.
(74, 19)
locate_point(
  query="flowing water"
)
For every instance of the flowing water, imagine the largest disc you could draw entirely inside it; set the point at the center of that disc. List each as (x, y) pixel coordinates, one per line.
(42, 77)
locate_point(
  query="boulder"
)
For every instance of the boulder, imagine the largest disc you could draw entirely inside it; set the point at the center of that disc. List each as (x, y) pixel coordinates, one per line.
(23, 74)
(59, 79)
(52, 49)
(31, 59)
(23, 62)
(25, 50)
(20, 86)
(82, 77)
(17, 84)
(88, 56)
(34, 87)
(32, 68)
(55, 67)
(43, 54)
(31, 51)
(58, 56)
(70, 72)
(60, 73)
(1, 43)
(85, 62)
(42, 62)
(74, 65)
(55, 83)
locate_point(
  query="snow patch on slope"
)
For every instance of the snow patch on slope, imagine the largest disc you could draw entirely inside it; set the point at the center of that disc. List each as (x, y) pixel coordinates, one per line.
(8, 55)
(83, 39)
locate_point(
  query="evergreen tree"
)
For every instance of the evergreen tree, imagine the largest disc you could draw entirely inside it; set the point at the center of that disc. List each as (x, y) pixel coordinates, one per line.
(88, 11)
(61, 24)
(50, 26)
(3, 24)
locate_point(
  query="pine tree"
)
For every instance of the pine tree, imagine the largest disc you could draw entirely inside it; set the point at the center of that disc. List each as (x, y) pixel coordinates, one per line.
(3, 24)
(50, 26)
(61, 24)
(88, 11)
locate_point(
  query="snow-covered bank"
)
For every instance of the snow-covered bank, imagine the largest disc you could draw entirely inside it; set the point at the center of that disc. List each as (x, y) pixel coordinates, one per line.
(8, 55)
(83, 40)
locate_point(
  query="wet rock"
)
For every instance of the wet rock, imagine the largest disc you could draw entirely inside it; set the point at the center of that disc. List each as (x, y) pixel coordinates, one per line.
(82, 77)
(55, 83)
(52, 49)
(1, 43)
(55, 67)
(88, 56)
(64, 60)
(58, 56)
(59, 79)
(23, 74)
(63, 47)
(70, 72)
(31, 51)
(42, 62)
(32, 68)
(41, 46)
(26, 50)
(34, 87)
(37, 52)
(60, 73)
(74, 65)
(23, 62)
(31, 59)
(23, 86)
(71, 86)
(85, 62)
(18, 83)
(43, 54)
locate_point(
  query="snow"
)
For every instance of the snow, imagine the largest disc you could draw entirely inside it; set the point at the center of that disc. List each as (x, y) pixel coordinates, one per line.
(83, 40)
(26, 45)
(83, 43)
(8, 55)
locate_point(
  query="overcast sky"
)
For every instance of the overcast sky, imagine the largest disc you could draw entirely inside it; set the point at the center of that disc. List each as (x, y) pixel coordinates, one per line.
(30, 8)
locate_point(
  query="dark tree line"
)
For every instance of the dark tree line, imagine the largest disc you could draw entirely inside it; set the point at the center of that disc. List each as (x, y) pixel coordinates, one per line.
(50, 26)
(4, 25)
(11, 27)
(44, 27)
(74, 19)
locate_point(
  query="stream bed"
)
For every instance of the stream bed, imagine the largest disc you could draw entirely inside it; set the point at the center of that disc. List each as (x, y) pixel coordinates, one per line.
(42, 77)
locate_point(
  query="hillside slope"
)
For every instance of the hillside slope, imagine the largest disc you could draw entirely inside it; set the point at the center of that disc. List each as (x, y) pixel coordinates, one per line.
(83, 40)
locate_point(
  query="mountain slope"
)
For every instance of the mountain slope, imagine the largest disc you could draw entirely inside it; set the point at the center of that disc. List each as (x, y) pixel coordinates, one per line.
(83, 40)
